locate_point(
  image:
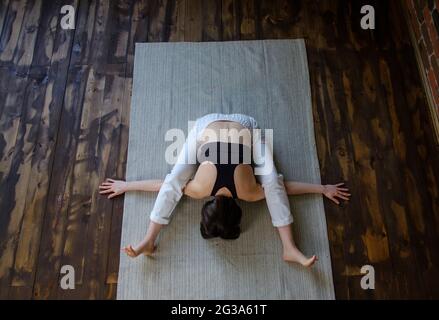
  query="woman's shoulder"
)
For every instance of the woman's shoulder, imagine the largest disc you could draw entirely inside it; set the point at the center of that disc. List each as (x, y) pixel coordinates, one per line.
(247, 187)
(202, 183)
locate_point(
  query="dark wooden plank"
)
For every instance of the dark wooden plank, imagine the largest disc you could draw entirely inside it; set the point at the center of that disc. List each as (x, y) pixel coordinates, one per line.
(283, 19)
(5, 77)
(99, 41)
(47, 33)
(83, 41)
(421, 169)
(19, 38)
(278, 21)
(139, 31)
(41, 166)
(193, 21)
(111, 291)
(83, 178)
(120, 161)
(102, 33)
(402, 272)
(389, 201)
(88, 230)
(332, 169)
(12, 126)
(98, 232)
(12, 93)
(46, 95)
(373, 234)
(159, 14)
(211, 20)
(19, 181)
(228, 21)
(59, 194)
(4, 6)
(390, 161)
(36, 106)
(19, 293)
(12, 27)
(246, 19)
(119, 31)
(176, 24)
(340, 161)
(319, 21)
(28, 35)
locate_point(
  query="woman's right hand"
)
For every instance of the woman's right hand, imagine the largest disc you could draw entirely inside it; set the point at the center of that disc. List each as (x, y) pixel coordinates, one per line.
(113, 187)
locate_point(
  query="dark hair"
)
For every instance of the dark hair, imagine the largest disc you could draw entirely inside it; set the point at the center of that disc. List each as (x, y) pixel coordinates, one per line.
(221, 217)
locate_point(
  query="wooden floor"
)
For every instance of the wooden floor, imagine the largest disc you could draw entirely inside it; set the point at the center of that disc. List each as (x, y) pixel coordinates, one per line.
(64, 121)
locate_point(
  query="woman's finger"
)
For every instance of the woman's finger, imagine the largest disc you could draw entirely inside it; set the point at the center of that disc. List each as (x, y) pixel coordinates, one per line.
(343, 189)
(104, 187)
(339, 184)
(106, 184)
(344, 194)
(113, 195)
(335, 200)
(105, 191)
(343, 197)
(110, 180)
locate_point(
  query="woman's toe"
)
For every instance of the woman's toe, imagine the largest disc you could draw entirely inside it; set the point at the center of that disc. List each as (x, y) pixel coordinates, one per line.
(129, 251)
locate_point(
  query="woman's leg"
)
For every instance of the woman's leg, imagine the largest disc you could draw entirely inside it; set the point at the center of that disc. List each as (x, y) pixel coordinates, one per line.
(290, 251)
(277, 202)
(147, 245)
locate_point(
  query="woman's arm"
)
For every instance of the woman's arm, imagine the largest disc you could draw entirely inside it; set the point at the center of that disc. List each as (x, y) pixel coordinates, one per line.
(145, 185)
(297, 188)
(332, 192)
(117, 187)
(293, 188)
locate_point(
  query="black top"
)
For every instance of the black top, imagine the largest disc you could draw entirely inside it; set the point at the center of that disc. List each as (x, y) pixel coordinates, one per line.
(226, 157)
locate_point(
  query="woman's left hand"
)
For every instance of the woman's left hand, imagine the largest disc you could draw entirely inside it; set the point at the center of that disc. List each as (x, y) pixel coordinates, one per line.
(333, 192)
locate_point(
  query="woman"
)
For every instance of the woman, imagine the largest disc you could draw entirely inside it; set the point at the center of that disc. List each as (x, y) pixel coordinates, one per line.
(227, 168)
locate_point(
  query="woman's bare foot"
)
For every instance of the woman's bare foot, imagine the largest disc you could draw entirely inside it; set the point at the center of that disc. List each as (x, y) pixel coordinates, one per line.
(146, 250)
(294, 255)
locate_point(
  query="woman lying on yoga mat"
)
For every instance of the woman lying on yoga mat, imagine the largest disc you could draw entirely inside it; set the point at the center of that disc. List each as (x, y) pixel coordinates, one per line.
(225, 169)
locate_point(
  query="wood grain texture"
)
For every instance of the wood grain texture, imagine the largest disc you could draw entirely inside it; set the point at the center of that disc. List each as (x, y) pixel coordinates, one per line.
(64, 121)
(3, 10)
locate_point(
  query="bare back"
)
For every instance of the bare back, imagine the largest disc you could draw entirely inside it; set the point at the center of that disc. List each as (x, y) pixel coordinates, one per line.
(247, 188)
